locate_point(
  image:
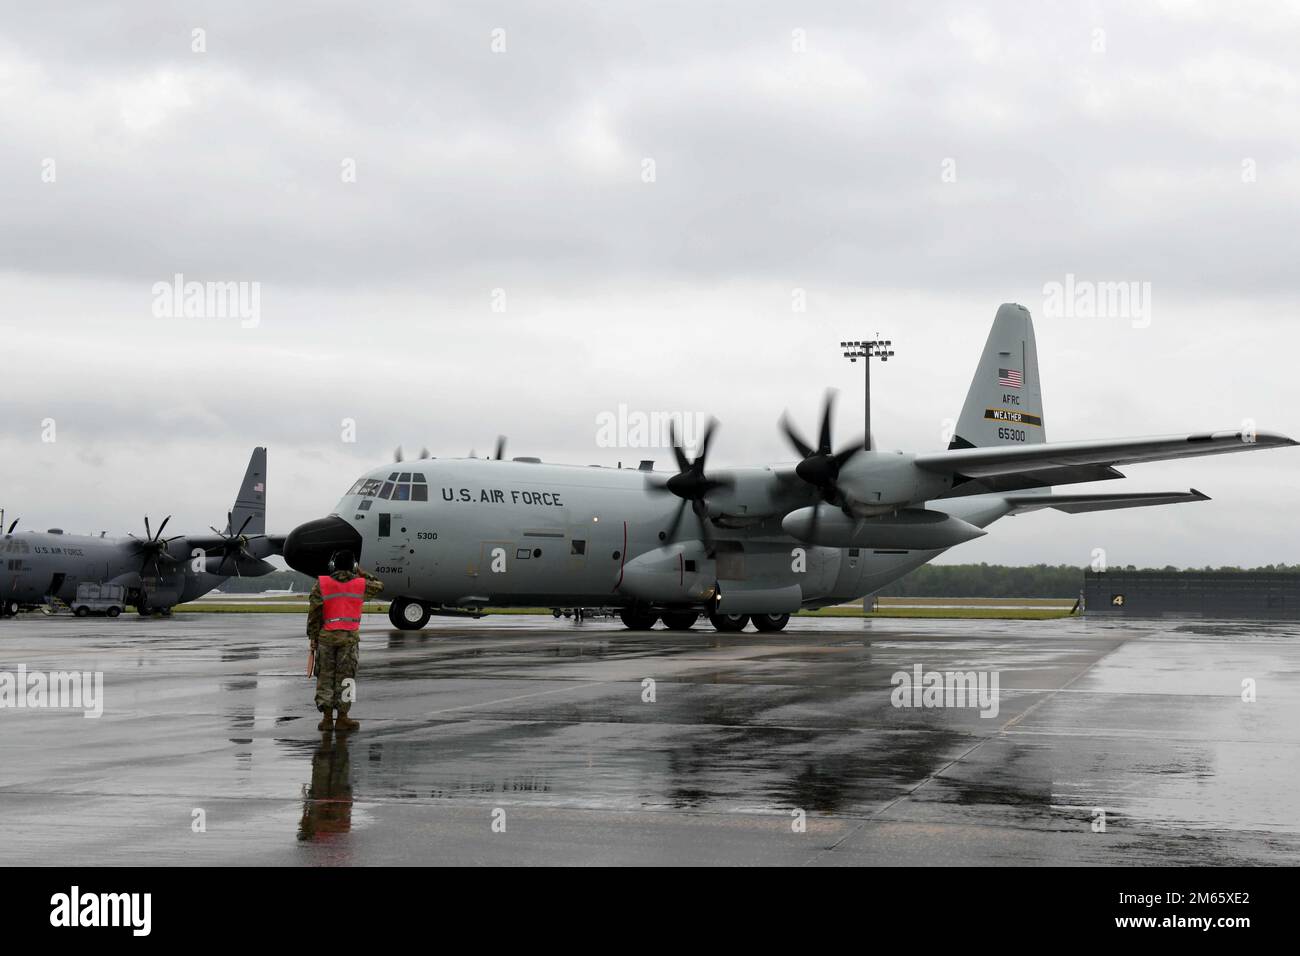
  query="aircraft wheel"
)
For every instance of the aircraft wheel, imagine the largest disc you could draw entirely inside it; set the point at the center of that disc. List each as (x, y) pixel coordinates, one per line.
(771, 622)
(165, 611)
(680, 620)
(638, 619)
(9, 609)
(408, 615)
(728, 623)
(82, 612)
(114, 611)
(144, 610)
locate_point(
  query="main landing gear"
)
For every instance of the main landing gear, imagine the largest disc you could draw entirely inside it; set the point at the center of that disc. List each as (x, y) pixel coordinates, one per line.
(642, 619)
(638, 619)
(735, 623)
(680, 620)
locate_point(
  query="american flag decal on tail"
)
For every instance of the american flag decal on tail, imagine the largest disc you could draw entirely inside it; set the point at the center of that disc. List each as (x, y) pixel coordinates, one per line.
(1010, 378)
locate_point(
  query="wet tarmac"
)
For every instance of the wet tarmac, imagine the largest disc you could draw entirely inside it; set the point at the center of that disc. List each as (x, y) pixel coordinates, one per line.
(522, 740)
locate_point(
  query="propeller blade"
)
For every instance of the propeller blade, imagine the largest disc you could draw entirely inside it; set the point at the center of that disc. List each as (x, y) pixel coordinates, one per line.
(501, 448)
(12, 526)
(704, 445)
(676, 523)
(397, 454)
(424, 454)
(683, 464)
(243, 526)
(147, 533)
(804, 449)
(846, 454)
(828, 411)
(161, 526)
(702, 516)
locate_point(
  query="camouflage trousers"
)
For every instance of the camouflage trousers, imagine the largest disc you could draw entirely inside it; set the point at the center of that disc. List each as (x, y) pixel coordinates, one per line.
(335, 663)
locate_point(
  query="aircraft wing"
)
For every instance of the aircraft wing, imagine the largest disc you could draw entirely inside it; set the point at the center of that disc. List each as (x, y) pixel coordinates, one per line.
(1078, 504)
(208, 542)
(218, 543)
(1005, 460)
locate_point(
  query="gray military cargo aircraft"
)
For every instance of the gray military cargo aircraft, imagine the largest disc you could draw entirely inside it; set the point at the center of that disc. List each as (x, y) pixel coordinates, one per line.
(157, 572)
(458, 535)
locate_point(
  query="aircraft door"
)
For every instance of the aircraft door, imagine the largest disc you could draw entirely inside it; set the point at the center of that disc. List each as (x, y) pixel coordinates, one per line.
(394, 551)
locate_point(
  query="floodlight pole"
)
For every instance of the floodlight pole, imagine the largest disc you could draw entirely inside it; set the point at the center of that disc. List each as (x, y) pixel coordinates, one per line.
(867, 350)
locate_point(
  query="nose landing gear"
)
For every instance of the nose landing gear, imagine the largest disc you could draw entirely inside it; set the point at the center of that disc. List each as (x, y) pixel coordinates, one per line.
(408, 615)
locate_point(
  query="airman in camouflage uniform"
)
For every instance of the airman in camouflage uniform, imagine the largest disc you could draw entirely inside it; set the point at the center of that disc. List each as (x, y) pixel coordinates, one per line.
(336, 651)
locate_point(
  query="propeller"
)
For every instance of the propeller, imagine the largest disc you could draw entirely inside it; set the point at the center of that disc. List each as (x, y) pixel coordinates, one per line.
(692, 485)
(397, 454)
(820, 466)
(233, 543)
(153, 547)
(500, 450)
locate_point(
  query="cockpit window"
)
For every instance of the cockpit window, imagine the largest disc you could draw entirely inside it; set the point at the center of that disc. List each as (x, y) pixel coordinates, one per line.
(419, 492)
(417, 477)
(402, 492)
(387, 490)
(368, 487)
(404, 476)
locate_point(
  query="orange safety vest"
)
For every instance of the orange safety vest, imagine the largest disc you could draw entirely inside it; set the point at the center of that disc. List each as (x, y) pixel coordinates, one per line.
(343, 600)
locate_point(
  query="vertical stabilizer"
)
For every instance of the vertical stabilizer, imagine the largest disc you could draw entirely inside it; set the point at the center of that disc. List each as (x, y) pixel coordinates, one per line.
(251, 499)
(1004, 405)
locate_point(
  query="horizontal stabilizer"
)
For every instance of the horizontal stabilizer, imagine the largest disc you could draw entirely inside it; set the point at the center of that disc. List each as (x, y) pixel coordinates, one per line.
(1078, 504)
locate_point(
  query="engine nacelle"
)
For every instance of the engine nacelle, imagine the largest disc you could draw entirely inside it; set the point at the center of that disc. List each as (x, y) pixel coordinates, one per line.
(674, 574)
(233, 567)
(910, 529)
(875, 479)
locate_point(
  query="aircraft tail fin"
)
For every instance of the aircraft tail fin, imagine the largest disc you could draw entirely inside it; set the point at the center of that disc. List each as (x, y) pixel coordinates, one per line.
(250, 503)
(1004, 405)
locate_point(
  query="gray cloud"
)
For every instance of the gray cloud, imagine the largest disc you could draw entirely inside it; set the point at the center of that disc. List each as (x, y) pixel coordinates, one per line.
(521, 171)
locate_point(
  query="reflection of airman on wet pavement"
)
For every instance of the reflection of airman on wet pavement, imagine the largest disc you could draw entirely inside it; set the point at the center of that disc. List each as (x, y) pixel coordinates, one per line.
(333, 624)
(327, 800)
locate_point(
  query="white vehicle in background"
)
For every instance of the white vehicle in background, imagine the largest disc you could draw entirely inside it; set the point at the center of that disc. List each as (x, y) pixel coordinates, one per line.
(95, 598)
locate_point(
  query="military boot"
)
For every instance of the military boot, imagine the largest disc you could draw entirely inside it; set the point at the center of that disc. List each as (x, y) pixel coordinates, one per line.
(345, 722)
(327, 720)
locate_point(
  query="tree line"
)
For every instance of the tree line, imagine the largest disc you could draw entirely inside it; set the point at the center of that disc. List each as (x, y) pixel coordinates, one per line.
(929, 580)
(1035, 580)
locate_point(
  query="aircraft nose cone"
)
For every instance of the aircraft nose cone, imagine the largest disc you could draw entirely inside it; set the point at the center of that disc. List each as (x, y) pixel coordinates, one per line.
(309, 547)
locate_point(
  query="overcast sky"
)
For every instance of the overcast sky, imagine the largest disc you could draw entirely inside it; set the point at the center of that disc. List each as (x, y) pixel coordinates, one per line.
(467, 219)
